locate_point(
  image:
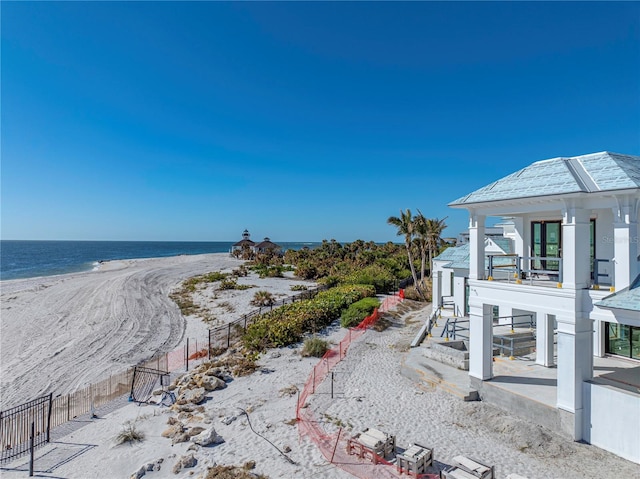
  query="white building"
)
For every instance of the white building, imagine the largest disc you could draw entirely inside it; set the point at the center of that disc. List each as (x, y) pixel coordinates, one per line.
(575, 269)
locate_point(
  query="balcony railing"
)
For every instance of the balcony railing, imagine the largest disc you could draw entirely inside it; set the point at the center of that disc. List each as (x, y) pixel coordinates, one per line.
(520, 268)
(515, 268)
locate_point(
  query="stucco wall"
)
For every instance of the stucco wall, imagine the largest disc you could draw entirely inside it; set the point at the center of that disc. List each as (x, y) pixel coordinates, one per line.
(611, 416)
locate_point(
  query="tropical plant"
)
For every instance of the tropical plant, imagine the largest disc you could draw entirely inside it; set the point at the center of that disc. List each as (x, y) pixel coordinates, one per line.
(406, 227)
(263, 298)
(435, 227)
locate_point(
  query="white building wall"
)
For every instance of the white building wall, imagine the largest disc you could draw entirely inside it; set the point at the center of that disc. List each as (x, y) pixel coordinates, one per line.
(609, 419)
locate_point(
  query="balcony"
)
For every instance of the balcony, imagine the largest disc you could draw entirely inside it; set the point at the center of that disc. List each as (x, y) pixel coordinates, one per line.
(543, 271)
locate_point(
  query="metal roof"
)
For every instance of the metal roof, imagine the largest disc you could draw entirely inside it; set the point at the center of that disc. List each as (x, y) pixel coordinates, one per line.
(591, 173)
(458, 256)
(628, 298)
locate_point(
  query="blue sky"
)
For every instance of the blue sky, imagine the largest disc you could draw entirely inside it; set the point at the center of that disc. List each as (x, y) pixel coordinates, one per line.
(299, 121)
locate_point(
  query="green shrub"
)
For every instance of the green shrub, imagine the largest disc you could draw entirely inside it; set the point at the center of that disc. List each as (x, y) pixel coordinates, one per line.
(315, 347)
(286, 325)
(298, 287)
(359, 310)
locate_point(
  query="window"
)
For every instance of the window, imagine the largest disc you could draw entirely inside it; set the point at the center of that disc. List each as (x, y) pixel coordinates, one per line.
(622, 340)
(546, 242)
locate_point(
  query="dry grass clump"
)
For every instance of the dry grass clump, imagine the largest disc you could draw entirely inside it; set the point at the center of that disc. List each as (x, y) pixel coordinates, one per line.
(381, 324)
(129, 433)
(289, 391)
(234, 472)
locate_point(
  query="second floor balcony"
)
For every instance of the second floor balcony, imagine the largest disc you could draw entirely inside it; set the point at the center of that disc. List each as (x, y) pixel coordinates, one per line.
(544, 271)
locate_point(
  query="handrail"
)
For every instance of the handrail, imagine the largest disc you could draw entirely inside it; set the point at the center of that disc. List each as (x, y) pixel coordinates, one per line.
(531, 323)
(517, 269)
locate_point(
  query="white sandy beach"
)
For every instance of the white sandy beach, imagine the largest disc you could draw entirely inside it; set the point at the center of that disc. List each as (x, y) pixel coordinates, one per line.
(74, 329)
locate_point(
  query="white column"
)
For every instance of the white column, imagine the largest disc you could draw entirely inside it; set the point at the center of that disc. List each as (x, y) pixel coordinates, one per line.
(575, 365)
(544, 338)
(625, 241)
(480, 342)
(476, 246)
(436, 294)
(576, 270)
(520, 240)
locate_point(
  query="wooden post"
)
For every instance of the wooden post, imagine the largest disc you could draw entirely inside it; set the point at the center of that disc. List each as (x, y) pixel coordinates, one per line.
(229, 336)
(313, 389)
(331, 384)
(187, 354)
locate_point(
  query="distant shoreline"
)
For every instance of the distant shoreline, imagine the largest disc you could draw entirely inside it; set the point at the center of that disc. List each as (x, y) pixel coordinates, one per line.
(23, 259)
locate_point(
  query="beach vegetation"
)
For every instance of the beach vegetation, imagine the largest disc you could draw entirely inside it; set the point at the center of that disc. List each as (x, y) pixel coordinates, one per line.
(315, 347)
(263, 298)
(240, 271)
(268, 271)
(129, 433)
(287, 324)
(220, 471)
(230, 283)
(360, 262)
(356, 312)
(299, 287)
(406, 227)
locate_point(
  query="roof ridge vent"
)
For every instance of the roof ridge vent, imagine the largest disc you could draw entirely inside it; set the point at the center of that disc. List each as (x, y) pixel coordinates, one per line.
(580, 174)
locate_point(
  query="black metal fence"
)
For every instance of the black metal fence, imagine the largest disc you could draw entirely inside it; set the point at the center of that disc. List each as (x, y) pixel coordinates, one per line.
(19, 424)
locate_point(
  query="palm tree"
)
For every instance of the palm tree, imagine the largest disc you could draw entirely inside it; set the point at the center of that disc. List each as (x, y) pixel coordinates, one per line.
(406, 228)
(435, 227)
(422, 240)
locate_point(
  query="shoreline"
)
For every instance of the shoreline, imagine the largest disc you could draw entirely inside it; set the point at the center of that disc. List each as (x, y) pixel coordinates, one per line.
(60, 333)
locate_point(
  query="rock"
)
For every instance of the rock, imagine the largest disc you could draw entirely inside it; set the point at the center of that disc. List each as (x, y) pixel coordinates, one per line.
(207, 437)
(174, 430)
(193, 396)
(186, 462)
(172, 420)
(189, 461)
(139, 473)
(286, 449)
(275, 354)
(154, 466)
(228, 420)
(194, 431)
(182, 437)
(211, 383)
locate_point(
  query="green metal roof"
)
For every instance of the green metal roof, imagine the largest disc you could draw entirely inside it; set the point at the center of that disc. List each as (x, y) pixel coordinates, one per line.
(591, 173)
(628, 298)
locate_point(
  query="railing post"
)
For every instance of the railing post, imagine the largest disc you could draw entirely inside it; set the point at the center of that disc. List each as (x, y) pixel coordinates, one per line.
(560, 272)
(32, 447)
(490, 278)
(49, 417)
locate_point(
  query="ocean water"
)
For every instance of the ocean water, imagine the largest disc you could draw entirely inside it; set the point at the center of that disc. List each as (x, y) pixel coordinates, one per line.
(27, 259)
